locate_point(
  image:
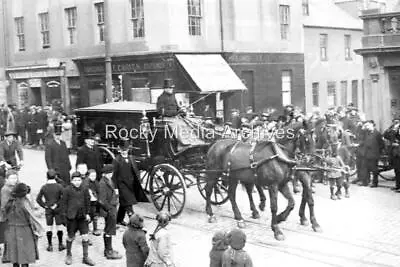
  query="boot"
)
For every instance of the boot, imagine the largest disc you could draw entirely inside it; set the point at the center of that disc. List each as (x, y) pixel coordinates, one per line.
(49, 235)
(4, 258)
(15, 265)
(86, 260)
(106, 245)
(338, 195)
(25, 265)
(61, 247)
(96, 231)
(111, 254)
(68, 259)
(333, 197)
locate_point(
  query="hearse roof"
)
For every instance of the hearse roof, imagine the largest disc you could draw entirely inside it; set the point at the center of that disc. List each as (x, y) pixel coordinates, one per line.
(126, 106)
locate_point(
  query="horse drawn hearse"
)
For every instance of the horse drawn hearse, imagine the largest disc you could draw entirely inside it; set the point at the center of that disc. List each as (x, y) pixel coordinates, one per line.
(168, 166)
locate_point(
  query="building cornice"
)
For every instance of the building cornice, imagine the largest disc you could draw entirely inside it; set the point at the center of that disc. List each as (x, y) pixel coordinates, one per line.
(377, 50)
(380, 15)
(332, 28)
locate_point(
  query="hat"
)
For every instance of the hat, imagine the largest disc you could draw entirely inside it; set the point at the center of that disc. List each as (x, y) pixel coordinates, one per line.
(136, 221)
(125, 146)
(20, 190)
(58, 128)
(88, 134)
(237, 239)
(10, 133)
(75, 174)
(51, 174)
(169, 83)
(107, 168)
(163, 218)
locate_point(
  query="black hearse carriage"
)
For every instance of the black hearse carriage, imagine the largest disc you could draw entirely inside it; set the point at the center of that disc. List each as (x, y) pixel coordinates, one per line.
(167, 169)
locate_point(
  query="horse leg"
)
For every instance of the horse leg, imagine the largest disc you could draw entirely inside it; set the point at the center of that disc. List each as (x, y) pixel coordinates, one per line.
(249, 190)
(211, 182)
(262, 197)
(308, 196)
(273, 198)
(295, 184)
(285, 190)
(303, 218)
(233, 183)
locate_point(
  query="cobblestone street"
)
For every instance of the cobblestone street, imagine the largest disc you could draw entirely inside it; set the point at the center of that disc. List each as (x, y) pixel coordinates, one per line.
(359, 231)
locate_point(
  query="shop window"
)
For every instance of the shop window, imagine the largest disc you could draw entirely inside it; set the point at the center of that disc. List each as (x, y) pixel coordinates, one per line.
(71, 16)
(354, 92)
(100, 21)
(195, 17)
(286, 88)
(343, 92)
(19, 25)
(323, 46)
(315, 94)
(284, 17)
(331, 94)
(44, 29)
(137, 17)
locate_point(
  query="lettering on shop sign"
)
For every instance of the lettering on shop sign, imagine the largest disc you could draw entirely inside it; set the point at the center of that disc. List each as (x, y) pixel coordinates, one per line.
(129, 67)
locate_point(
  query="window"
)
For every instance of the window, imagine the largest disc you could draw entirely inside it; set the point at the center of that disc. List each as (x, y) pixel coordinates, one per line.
(363, 95)
(331, 94)
(137, 18)
(347, 47)
(284, 16)
(44, 29)
(286, 87)
(343, 92)
(71, 24)
(323, 46)
(306, 10)
(354, 92)
(315, 94)
(19, 25)
(100, 20)
(194, 11)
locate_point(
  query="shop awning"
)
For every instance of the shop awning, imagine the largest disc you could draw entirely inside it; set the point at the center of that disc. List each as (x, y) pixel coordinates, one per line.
(210, 73)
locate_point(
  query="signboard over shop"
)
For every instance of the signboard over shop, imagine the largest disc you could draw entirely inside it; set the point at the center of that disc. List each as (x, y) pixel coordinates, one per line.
(130, 67)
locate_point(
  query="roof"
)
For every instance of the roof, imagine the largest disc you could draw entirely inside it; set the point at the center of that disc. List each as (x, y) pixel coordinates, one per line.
(126, 106)
(326, 14)
(210, 73)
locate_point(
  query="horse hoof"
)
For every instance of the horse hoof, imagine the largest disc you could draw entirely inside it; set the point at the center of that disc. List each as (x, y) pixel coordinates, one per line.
(255, 215)
(262, 206)
(212, 219)
(279, 237)
(317, 229)
(347, 195)
(241, 224)
(304, 222)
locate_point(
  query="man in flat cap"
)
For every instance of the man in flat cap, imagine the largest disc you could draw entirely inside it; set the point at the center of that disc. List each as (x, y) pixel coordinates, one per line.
(8, 150)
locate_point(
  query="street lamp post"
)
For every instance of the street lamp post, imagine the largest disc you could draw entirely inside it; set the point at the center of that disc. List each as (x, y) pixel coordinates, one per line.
(107, 44)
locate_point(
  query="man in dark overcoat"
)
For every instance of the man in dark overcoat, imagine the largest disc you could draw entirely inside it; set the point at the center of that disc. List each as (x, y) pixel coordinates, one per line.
(57, 156)
(372, 144)
(392, 134)
(126, 176)
(166, 102)
(90, 155)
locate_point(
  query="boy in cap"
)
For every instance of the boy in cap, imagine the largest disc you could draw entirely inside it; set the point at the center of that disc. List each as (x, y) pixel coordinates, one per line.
(52, 194)
(219, 245)
(76, 204)
(108, 199)
(235, 255)
(92, 184)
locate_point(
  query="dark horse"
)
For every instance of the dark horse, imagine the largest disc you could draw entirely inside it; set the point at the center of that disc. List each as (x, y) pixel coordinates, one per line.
(262, 164)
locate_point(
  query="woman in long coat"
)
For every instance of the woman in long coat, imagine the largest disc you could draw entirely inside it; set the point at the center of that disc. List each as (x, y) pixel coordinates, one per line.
(135, 244)
(23, 229)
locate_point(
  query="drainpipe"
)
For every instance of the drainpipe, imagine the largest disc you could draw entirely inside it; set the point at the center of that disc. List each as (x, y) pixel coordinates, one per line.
(107, 44)
(221, 22)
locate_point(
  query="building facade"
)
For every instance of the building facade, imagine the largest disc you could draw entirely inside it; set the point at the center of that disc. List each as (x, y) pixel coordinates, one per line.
(333, 72)
(381, 55)
(57, 49)
(3, 63)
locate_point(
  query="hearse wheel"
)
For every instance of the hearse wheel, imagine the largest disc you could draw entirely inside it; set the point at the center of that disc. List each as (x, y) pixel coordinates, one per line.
(167, 189)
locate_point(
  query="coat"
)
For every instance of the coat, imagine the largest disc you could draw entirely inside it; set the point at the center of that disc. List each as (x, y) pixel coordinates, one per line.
(7, 152)
(371, 145)
(75, 201)
(136, 248)
(167, 105)
(128, 184)
(57, 158)
(5, 195)
(236, 258)
(91, 157)
(160, 254)
(108, 199)
(20, 234)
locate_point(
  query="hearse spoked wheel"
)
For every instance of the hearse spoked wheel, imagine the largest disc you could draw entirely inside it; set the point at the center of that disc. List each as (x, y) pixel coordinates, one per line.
(167, 189)
(145, 180)
(219, 194)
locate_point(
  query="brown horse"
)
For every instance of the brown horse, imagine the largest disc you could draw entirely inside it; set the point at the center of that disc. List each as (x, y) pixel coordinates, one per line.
(263, 164)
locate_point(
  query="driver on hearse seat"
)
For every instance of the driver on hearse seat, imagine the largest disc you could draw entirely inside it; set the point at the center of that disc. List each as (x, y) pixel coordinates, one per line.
(166, 103)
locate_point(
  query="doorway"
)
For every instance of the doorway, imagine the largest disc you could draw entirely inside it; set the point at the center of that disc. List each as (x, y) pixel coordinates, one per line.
(36, 96)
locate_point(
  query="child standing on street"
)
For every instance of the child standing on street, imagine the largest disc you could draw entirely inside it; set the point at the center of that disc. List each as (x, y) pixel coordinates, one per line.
(76, 205)
(219, 245)
(235, 256)
(93, 185)
(134, 241)
(52, 194)
(335, 177)
(108, 200)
